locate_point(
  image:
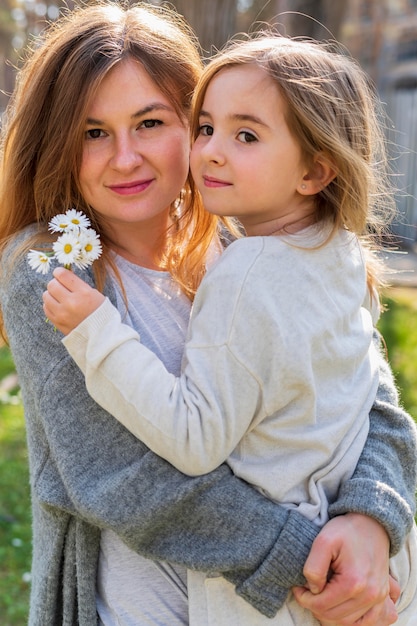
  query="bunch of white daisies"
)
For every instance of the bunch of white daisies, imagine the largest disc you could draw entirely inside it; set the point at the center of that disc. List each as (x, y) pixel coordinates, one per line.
(78, 245)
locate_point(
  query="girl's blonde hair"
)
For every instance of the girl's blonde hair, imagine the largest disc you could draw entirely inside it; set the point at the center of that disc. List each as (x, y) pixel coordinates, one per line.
(332, 109)
(43, 128)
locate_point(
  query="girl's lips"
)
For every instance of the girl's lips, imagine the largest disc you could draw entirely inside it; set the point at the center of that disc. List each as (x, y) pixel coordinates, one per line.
(209, 181)
(129, 189)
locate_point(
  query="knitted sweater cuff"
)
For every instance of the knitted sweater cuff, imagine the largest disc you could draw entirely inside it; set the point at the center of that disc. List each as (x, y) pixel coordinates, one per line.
(388, 508)
(268, 587)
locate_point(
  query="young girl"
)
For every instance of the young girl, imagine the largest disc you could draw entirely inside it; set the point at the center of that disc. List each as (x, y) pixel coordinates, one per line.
(279, 371)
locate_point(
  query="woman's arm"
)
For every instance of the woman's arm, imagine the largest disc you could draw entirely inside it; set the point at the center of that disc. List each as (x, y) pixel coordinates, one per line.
(386, 474)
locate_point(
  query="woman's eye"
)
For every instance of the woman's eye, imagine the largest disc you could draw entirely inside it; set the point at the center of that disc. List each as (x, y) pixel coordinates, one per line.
(247, 137)
(150, 123)
(206, 130)
(94, 133)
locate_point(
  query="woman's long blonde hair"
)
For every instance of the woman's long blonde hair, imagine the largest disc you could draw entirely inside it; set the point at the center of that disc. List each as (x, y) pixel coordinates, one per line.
(44, 125)
(332, 109)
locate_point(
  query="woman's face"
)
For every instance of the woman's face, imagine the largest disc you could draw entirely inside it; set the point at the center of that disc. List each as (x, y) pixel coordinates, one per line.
(136, 153)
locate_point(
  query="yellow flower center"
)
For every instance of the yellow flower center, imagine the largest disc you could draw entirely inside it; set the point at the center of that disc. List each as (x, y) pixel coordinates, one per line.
(67, 248)
(88, 247)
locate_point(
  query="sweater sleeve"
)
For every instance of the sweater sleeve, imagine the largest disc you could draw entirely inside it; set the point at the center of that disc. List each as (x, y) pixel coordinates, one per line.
(383, 485)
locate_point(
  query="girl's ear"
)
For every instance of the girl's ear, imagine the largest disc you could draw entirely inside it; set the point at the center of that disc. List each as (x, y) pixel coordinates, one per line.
(319, 175)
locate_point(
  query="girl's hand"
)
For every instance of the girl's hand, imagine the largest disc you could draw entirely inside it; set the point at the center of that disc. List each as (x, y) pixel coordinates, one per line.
(355, 548)
(69, 300)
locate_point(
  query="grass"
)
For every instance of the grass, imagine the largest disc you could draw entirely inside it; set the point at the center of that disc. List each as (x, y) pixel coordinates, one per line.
(15, 522)
(397, 324)
(399, 329)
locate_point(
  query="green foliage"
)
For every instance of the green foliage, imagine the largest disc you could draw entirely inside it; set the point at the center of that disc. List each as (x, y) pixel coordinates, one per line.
(397, 324)
(6, 362)
(15, 522)
(399, 329)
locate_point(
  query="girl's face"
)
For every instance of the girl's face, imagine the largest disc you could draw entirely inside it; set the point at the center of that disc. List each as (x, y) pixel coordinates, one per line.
(245, 161)
(136, 153)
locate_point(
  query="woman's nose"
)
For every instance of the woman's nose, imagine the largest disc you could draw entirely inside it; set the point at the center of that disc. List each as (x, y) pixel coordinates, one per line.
(127, 154)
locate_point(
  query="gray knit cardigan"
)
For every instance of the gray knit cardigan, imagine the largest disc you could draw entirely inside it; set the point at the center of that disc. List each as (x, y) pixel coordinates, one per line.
(87, 472)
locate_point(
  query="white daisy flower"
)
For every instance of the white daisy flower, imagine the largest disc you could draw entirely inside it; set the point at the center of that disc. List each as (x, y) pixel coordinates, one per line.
(77, 219)
(90, 248)
(78, 244)
(67, 248)
(39, 261)
(59, 223)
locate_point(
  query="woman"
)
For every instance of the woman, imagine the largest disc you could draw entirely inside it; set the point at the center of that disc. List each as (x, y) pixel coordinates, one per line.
(100, 498)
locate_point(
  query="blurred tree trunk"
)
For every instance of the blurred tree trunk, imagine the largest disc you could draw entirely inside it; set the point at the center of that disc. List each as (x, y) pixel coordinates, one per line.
(7, 56)
(320, 19)
(213, 21)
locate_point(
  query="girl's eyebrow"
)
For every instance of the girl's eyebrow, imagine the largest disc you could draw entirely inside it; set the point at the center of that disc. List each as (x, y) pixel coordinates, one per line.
(150, 108)
(239, 117)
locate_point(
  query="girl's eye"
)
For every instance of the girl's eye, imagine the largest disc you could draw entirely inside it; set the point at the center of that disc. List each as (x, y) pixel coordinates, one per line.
(151, 123)
(94, 133)
(246, 137)
(206, 130)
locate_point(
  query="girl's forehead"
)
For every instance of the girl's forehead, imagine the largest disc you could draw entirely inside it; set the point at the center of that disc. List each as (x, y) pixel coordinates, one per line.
(244, 79)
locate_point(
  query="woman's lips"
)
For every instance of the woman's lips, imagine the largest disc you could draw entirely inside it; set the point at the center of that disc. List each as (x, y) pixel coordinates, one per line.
(130, 189)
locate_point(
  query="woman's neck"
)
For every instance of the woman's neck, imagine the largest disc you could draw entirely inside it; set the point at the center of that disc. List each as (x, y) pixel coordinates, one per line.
(143, 257)
(139, 245)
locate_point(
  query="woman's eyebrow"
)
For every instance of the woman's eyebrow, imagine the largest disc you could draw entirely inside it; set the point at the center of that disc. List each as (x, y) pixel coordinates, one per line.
(150, 108)
(154, 106)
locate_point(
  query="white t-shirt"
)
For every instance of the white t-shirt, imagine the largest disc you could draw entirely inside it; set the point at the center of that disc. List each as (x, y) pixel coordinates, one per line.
(132, 590)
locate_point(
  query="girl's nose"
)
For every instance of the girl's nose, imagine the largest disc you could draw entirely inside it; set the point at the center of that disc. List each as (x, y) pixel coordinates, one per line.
(213, 150)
